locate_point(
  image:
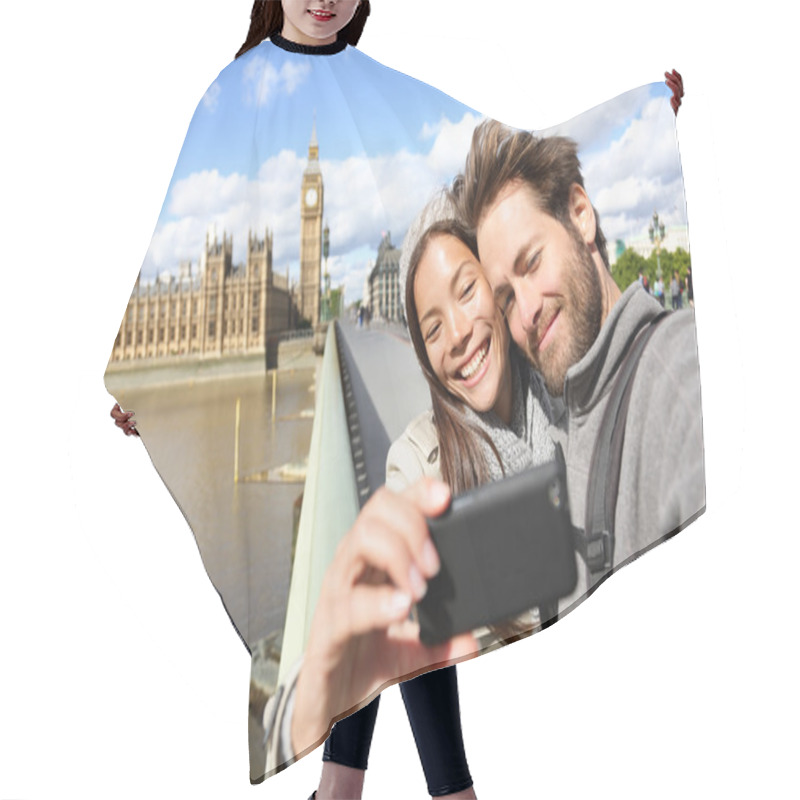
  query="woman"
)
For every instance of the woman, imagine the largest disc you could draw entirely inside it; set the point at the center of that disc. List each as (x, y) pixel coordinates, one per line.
(489, 408)
(319, 28)
(294, 24)
(325, 24)
(490, 415)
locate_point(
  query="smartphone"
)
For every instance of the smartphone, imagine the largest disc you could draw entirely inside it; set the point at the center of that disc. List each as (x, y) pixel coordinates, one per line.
(505, 548)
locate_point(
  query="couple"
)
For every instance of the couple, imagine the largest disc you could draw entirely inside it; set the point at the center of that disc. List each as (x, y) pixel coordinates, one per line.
(515, 248)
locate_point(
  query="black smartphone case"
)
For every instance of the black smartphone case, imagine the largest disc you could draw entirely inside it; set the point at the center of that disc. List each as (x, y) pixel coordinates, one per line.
(505, 548)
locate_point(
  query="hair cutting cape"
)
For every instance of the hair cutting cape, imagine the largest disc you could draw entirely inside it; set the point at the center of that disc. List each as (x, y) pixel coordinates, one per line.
(269, 424)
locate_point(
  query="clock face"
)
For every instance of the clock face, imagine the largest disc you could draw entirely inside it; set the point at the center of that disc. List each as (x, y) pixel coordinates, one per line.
(311, 197)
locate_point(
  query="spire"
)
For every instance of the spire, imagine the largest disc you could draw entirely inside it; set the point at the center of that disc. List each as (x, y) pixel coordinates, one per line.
(313, 145)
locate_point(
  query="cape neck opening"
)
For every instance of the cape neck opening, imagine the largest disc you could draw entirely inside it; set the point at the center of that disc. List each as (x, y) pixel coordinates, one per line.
(308, 49)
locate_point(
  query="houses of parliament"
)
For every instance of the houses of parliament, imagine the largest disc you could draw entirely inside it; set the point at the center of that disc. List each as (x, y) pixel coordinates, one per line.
(225, 309)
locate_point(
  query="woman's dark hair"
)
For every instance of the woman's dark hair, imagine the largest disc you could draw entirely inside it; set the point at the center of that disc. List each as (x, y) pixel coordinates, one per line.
(266, 19)
(462, 460)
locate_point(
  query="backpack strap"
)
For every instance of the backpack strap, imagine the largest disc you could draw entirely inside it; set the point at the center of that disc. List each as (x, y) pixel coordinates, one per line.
(596, 542)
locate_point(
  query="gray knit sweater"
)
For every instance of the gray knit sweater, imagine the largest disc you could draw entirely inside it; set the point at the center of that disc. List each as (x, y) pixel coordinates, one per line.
(662, 479)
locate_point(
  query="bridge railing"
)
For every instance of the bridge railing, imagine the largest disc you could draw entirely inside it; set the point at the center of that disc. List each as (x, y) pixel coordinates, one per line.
(330, 505)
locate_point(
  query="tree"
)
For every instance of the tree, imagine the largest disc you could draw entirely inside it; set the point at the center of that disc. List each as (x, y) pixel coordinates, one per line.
(626, 270)
(682, 262)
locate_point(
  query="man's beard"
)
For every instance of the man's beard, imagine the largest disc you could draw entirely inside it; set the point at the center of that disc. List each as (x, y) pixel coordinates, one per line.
(581, 308)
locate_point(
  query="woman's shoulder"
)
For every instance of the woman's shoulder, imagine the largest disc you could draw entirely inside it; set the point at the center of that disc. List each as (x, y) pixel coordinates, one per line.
(415, 454)
(421, 432)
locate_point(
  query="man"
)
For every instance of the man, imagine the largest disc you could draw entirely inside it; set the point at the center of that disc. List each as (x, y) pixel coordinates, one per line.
(543, 251)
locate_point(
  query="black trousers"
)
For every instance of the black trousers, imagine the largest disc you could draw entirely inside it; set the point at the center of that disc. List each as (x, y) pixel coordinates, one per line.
(431, 702)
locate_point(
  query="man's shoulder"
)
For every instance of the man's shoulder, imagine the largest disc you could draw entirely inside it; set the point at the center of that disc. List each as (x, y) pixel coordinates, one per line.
(673, 347)
(662, 479)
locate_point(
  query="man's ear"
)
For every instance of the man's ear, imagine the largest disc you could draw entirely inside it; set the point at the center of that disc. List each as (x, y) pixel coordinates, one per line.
(582, 214)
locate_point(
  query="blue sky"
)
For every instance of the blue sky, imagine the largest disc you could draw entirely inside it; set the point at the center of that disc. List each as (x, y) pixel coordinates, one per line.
(386, 142)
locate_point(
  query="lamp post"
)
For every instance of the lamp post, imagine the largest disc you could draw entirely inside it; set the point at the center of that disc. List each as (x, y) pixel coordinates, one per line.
(657, 234)
(326, 298)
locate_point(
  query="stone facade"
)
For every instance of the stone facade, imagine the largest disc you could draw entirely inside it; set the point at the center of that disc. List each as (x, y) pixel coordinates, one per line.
(311, 209)
(384, 283)
(223, 310)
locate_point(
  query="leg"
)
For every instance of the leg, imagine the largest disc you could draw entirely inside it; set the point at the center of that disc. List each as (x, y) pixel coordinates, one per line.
(433, 711)
(344, 759)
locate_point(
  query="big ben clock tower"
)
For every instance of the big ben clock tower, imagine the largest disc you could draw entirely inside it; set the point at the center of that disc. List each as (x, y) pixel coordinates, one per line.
(311, 195)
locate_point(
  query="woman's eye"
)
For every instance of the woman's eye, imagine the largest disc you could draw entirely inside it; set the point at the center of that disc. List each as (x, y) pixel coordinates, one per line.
(432, 331)
(468, 289)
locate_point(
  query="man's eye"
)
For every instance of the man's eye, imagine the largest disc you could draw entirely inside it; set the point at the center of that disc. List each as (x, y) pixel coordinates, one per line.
(533, 262)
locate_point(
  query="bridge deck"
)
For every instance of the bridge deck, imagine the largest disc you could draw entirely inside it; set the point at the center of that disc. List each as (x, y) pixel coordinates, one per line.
(390, 371)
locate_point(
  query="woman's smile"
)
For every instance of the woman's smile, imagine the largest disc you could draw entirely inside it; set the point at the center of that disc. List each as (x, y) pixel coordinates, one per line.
(322, 16)
(475, 365)
(465, 337)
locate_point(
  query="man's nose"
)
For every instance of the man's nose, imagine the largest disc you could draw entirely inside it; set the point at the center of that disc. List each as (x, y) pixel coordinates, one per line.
(529, 305)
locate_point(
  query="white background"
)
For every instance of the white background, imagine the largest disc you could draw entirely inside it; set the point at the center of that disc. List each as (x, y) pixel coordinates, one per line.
(120, 675)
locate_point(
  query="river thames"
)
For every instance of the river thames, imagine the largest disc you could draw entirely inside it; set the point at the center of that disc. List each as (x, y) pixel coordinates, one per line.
(244, 529)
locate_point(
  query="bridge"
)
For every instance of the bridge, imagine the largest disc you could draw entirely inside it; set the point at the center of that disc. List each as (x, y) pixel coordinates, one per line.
(369, 387)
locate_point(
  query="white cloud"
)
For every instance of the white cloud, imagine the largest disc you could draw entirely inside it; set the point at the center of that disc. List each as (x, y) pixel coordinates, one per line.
(452, 143)
(349, 270)
(636, 173)
(262, 80)
(599, 123)
(293, 75)
(429, 130)
(432, 130)
(206, 194)
(363, 197)
(211, 97)
(646, 148)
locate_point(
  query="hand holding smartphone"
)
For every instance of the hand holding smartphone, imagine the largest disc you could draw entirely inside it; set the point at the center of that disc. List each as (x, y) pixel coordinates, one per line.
(505, 548)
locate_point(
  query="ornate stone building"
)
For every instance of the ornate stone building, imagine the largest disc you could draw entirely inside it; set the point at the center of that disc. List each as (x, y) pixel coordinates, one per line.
(384, 283)
(223, 310)
(311, 208)
(676, 236)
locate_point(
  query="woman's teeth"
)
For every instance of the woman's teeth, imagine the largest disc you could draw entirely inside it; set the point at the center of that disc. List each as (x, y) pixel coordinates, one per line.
(475, 362)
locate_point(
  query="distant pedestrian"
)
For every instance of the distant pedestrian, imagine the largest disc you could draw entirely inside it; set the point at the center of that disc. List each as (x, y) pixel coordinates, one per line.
(675, 291)
(689, 287)
(658, 291)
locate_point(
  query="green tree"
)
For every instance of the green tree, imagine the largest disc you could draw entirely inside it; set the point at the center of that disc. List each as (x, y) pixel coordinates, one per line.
(666, 260)
(682, 262)
(626, 270)
(677, 261)
(336, 303)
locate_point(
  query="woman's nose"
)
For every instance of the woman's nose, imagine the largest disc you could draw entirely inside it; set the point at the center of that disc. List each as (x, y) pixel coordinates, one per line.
(460, 328)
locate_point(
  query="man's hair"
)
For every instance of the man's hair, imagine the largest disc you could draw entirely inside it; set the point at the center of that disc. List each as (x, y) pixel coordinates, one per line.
(549, 165)
(266, 19)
